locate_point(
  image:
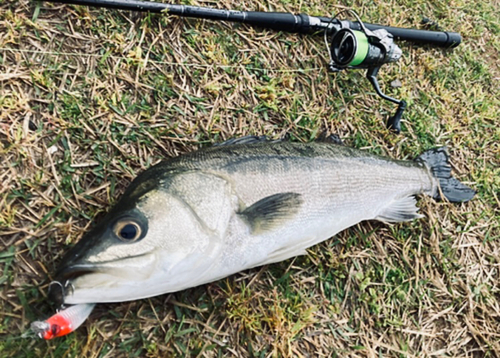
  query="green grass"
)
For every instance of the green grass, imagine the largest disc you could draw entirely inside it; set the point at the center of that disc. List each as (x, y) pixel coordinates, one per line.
(90, 98)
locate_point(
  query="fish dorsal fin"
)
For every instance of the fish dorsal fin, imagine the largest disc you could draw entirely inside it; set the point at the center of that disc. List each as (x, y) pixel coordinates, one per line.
(249, 139)
(401, 209)
(271, 211)
(332, 138)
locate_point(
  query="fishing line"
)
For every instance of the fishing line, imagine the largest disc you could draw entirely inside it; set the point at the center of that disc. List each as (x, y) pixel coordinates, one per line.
(175, 64)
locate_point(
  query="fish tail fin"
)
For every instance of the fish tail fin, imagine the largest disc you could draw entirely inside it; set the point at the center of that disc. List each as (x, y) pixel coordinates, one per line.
(437, 160)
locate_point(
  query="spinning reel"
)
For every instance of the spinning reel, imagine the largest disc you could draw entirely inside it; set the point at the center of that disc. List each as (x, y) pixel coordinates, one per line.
(365, 49)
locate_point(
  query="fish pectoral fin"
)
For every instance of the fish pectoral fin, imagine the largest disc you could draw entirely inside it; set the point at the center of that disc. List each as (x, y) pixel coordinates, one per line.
(401, 209)
(268, 213)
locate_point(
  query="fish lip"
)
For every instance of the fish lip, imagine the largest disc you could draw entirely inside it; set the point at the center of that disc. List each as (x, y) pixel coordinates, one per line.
(72, 272)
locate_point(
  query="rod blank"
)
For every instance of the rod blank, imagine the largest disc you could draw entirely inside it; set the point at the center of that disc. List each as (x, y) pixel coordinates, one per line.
(280, 21)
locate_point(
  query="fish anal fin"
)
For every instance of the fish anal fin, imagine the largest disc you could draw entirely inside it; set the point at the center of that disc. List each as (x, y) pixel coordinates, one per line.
(269, 212)
(401, 209)
(283, 254)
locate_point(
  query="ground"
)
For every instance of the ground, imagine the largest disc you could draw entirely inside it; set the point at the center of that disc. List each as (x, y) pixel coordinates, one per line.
(89, 98)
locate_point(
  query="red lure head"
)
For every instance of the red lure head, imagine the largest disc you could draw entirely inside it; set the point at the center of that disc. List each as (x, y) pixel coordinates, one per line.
(58, 327)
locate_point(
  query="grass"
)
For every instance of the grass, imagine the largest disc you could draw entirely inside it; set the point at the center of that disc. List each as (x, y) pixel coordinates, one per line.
(90, 98)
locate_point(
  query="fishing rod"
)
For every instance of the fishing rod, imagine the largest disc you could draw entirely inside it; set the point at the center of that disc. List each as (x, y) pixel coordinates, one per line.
(350, 44)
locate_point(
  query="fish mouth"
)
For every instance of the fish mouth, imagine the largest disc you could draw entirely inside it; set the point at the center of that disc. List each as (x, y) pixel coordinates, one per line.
(71, 273)
(73, 279)
(63, 286)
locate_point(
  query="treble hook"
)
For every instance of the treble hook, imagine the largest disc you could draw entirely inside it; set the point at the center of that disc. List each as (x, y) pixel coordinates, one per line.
(67, 288)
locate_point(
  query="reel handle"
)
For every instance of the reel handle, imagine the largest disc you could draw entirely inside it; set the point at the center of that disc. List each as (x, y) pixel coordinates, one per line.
(394, 122)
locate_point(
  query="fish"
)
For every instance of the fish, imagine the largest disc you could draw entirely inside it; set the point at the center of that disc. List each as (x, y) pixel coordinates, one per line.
(247, 202)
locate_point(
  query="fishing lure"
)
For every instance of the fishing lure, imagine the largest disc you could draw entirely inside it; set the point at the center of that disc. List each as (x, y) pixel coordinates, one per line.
(63, 322)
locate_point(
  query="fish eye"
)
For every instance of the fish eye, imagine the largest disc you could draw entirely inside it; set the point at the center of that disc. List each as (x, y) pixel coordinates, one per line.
(127, 230)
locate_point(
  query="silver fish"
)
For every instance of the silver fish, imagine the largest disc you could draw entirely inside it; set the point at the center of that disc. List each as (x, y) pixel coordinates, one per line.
(248, 202)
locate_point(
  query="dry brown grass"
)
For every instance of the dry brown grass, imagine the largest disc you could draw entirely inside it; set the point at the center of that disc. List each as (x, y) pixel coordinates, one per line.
(90, 98)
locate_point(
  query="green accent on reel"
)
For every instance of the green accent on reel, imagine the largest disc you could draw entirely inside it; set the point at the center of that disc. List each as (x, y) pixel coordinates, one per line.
(361, 48)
